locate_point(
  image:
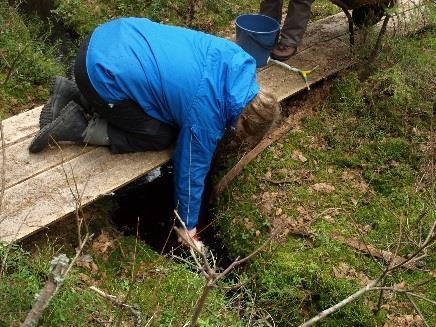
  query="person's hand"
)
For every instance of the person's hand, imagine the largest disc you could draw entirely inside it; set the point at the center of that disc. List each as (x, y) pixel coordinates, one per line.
(190, 238)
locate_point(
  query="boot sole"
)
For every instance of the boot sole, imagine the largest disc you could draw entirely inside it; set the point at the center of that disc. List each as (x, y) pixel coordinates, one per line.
(47, 115)
(42, 139)
(282, 58)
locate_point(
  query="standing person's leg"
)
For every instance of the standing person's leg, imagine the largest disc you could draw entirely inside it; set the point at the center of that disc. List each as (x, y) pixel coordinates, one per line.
(296, 22)
(272, 8)
(293, 29)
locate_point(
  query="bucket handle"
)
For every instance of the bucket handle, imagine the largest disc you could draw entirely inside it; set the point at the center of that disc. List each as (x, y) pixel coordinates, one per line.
(259, 44)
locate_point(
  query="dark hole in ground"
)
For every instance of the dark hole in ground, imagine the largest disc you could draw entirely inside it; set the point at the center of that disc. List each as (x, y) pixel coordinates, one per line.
(151, 203)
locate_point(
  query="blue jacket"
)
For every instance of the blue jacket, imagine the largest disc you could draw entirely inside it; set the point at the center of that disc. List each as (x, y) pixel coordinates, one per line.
(195, 81)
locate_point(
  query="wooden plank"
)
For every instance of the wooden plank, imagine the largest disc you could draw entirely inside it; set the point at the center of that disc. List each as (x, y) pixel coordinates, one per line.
(19, 127)
(46, 198)
(324, 30)
(22, 165)
(331, 56)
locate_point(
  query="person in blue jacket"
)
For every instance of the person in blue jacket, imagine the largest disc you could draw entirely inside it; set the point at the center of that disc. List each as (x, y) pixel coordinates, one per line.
(148, 85)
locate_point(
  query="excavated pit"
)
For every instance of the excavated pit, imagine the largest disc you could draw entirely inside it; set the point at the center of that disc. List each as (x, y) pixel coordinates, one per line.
(147, 209)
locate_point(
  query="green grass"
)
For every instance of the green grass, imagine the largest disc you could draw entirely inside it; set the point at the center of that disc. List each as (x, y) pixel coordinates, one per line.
(160, 286)
(27, 61)
(371, 141)
(209, 16)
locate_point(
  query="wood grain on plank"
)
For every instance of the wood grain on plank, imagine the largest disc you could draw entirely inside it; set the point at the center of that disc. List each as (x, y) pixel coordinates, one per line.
(22, 165)
(46, 198)
(331, 56)
(19, 127)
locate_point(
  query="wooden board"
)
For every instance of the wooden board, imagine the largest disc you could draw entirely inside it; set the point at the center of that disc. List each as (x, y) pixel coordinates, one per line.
(331, 56)
(47, 197)
(20, 127)
(39, 188)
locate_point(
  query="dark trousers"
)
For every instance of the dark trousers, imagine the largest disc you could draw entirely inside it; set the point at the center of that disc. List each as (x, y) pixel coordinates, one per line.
(296, 19)
(130, 129)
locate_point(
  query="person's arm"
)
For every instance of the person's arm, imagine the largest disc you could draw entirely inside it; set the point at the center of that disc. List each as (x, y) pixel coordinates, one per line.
(191, 160)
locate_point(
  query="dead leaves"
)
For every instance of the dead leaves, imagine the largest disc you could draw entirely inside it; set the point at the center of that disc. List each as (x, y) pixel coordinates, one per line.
(356, 180)
(268, 201)
(102, 244)
(408, 320)
(344, 271)
(323, 187)
(86, 261)
(298, 156)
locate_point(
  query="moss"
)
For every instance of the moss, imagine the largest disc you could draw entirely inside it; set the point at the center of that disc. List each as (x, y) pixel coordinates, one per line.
(367, 143)
(161, 286)
(299, 282)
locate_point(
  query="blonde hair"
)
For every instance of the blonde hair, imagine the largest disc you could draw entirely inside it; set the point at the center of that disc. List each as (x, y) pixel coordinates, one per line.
(260, 115)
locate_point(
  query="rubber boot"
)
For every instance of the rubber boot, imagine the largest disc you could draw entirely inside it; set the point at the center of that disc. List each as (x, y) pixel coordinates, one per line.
(97, 132)
(63, 91)
(68, 126)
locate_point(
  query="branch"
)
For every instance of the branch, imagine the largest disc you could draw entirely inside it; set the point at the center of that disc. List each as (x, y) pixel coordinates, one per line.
(374, 252)
(245, 160)
(14, 62)
(248, 257)
(417, 310)
(115, 301)
(339, 305)
(201, 302)
(373, 285)
(58, 272)
(56, 277)
(208, 272)
(429, 242)
(407, 292)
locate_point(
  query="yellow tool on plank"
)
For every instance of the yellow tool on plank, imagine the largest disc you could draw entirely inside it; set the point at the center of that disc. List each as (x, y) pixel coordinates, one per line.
(304, 73)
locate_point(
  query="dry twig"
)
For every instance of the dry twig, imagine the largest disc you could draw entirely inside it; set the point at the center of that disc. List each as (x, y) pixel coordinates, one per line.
(58, 271)
(374, 285)
(114, 300)
(245, 160)
(209, 272)
(59, 265)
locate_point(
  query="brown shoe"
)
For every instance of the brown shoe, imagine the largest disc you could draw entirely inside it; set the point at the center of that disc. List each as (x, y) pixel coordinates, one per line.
(283, 52)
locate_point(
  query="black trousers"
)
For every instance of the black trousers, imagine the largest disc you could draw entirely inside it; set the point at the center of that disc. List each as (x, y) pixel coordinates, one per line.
(130, 129)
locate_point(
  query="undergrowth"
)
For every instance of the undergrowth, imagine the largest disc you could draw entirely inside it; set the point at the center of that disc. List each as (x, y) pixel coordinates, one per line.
(369, 145)
(359, 166)
(160, 288)
(27, 61)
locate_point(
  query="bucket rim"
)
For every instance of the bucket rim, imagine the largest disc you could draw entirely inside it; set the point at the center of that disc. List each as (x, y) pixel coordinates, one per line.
(252, 31)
